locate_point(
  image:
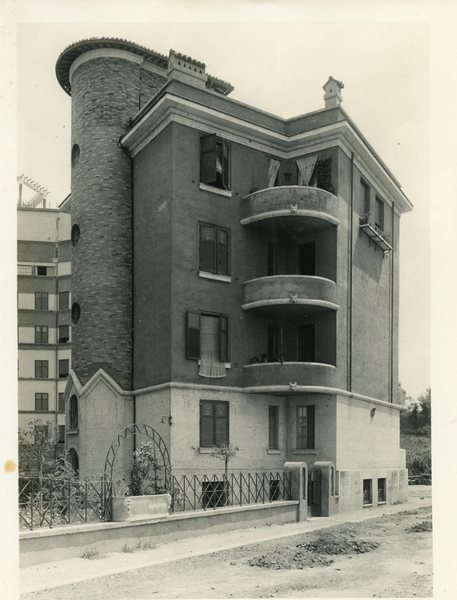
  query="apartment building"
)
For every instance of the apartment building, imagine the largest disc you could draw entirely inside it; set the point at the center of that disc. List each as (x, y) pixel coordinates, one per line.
(44, 329)
(235, 276)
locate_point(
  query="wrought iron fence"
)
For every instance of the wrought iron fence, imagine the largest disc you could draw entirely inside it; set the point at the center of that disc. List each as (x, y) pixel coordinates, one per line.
(194, 492)
(62, 501)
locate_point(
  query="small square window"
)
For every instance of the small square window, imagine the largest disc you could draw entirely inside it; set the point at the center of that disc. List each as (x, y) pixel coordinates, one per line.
(42, 270)
(367, 492)
(41, 300)
(41, 369)
(41, 334)
(41, 401)
(64, 368)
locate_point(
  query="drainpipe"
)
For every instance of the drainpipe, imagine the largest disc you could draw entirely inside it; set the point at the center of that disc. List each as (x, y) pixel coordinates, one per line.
(56, 325)
(349, 291)
(392, 303)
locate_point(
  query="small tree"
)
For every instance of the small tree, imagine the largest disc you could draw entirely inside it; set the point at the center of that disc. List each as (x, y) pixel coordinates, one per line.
(224, 451)
(38, 448)
(145, 477)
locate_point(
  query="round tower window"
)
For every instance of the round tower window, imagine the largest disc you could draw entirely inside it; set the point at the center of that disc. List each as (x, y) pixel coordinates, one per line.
(74, 155)
(75, 312)
(75, 233)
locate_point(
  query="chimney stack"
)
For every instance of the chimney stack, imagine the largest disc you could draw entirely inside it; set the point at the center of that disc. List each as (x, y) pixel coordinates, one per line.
(332, 96)
(186, 69)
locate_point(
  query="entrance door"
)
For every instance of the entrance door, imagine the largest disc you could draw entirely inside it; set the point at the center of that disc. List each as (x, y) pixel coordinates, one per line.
(314, 491)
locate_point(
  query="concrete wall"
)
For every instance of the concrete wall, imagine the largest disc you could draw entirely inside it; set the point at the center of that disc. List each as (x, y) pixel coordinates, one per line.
(364, 440)
(351, 487)
(73, 541)
(40, 225)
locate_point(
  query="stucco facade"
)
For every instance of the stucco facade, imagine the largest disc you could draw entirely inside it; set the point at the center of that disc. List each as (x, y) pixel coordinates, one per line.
(235, 275)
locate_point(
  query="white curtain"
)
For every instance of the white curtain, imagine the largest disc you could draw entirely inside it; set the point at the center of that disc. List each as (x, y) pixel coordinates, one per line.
(305, 168)
(210, 365)
(273, 168)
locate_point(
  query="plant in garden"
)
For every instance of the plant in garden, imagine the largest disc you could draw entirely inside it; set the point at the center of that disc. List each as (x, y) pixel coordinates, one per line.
(224, 451)
(145, 475)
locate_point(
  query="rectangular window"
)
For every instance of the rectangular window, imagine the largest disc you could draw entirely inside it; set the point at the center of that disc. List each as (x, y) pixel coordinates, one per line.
(273, 427)
(213, 340)
(41, 433)
(365, 199)
(381, 490)
(307, 259)
(274, 342)
(24, 270)
(305, 427)
(379, 216)
(61, 434)
(42, 270)
(41, 401)
(214, 423)
(64, 300)
(61, 402)
(214, 162)
(41, 369)
(306, 343)
(64, 334)
(367, 492)
(214, 249)
(41, 300)
(41, 334)
(64, 366)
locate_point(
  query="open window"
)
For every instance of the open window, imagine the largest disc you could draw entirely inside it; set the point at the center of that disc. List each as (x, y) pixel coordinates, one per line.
(207, 341)
(215, 162)
(214, 249)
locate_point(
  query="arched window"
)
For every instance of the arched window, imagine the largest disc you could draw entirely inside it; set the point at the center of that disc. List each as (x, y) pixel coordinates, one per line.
(73, 459)
(75, 313)
(73, 412)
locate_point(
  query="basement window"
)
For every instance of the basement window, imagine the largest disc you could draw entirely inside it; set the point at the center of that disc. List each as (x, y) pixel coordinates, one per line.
(382, 491)
(367, 492)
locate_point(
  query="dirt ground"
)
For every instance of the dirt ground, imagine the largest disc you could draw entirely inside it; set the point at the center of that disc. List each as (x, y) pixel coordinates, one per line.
(385, 557)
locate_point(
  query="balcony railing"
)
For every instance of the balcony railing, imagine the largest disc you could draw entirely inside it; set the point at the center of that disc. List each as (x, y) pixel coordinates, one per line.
(288, 376)
(316, 293)
(290, 201)
(379, 236)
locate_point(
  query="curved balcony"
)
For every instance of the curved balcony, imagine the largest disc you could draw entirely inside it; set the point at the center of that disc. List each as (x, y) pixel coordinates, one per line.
(288, 377)
(308, 207)
(290, 293)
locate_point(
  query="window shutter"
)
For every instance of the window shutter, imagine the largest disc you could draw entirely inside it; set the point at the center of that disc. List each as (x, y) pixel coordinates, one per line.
(207, 248)
(311, 427)
(222, 252)
(208, 159)
(193, 335)
(223, 339)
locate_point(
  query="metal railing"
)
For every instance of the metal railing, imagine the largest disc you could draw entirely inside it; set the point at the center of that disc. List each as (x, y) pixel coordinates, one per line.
(195, 492)
(48, 502)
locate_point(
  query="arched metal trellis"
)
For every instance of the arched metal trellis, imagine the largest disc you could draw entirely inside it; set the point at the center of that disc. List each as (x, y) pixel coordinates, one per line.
(160, 450)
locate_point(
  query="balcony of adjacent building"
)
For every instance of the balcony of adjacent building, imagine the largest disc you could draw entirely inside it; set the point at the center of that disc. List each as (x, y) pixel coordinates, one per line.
(299, 195)
(298, 353)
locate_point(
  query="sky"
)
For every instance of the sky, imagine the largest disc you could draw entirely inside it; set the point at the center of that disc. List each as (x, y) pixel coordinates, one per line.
(279, 68)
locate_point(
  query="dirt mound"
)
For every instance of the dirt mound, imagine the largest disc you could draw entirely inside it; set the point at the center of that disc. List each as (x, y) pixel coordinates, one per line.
(420, 527)
(331, 543)
(315, 553)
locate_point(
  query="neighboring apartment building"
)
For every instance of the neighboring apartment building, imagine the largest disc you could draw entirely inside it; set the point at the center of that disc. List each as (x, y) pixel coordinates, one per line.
(44, 330)
(235, 276)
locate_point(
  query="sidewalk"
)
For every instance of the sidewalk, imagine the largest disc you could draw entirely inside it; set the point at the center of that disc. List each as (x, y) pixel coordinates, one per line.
(64, 572)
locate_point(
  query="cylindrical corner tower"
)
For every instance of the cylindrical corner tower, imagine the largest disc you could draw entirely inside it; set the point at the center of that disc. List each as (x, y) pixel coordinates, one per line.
(104, 85)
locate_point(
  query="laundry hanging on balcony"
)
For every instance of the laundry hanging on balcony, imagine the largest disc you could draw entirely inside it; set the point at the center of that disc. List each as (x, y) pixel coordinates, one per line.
(210, 363)
(306, 168)
(273, 168)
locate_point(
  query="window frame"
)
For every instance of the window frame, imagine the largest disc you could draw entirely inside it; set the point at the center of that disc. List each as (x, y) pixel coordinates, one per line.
(41, 300)
(66, 294)
(193, 335)
(214, 270)
(41, 334)
(366, 198)
(214, 438)
(62, 361)
(379, 213)
(43, 273)
(383, 488)
(209, 173)
(41, 401)
(302, 442)
(63, 339)
(273, 427)
(41, 366)
(73, 413)
(61, 402)
(369, 501)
